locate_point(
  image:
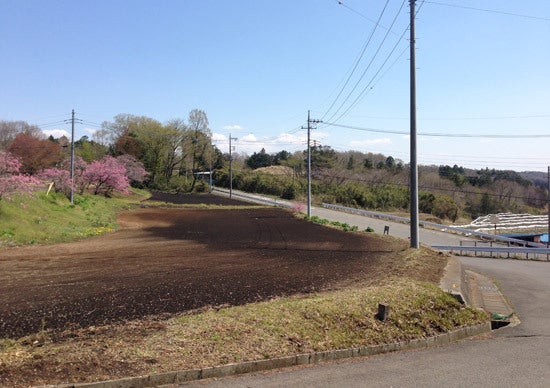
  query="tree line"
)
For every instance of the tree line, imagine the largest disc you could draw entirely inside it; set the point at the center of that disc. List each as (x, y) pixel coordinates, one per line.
(130, 150)
(143, 152)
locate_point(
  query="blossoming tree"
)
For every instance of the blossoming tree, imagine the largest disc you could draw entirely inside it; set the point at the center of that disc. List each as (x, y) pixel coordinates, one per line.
(11, 181)
(106, 176)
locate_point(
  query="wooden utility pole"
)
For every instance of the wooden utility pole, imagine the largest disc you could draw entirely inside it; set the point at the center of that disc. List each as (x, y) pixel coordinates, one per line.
(413, 164)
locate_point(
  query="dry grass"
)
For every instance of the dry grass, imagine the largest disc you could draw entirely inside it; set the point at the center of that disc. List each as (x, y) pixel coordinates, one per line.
(300, 324)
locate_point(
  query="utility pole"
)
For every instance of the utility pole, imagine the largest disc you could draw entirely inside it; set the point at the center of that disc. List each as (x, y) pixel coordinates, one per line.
(309, 128)
(72, 157)
(548, 238)
(231, 166)
(413, 164)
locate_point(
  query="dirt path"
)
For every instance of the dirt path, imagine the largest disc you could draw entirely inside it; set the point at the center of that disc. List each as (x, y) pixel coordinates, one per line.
(175, 260)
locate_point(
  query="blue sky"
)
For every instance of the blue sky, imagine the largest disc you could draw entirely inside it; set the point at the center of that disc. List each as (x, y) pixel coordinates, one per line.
(257, 66)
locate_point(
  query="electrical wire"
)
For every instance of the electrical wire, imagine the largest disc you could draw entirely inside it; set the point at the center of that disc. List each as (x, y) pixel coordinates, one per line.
(506, 117)
(373, 81)
(358, 60)
(489, 10)
(369, 64)
(449, 135)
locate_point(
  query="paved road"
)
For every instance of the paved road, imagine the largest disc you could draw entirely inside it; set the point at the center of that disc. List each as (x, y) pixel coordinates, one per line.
(426, 236)
(511, 356)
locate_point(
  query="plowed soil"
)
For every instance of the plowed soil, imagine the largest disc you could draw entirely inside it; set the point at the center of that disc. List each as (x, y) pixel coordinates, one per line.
(175, 260)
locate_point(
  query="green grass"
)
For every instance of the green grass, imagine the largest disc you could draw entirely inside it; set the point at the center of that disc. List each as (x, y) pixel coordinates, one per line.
(342, 225)
(48, 219)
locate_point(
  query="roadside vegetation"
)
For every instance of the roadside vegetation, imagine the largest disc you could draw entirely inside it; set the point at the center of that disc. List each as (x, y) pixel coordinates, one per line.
(379, 182)
(43, 218)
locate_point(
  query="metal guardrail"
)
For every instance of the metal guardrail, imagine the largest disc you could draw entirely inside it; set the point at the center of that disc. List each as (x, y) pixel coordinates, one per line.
(254, 198)
(443, 228)
(514, 251)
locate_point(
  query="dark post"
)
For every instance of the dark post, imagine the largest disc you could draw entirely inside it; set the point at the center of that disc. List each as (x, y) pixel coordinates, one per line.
(383, 312)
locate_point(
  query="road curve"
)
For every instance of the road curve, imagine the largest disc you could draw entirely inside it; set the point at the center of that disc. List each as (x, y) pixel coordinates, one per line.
(511, 356)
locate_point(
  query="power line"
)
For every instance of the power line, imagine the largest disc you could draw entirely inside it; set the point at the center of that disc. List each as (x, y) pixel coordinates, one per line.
(449, 135)
(489, 10)
(365, 46)
(369, 65)
(373, 81)
(490, 117)
(369, 85)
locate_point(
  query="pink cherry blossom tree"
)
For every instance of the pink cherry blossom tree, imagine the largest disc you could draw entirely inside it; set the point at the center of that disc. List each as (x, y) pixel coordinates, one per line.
(106, 176)
(61, 179)
(11, 181)
(80, 166)
(135, 171)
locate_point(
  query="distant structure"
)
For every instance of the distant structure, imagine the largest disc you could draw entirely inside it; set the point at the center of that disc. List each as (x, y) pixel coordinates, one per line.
(540, 238)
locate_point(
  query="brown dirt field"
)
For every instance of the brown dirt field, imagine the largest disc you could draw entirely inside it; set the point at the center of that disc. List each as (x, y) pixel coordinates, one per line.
(176, 260)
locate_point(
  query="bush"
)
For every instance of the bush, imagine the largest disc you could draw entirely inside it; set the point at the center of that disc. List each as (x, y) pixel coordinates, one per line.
(445, 207)
(290, 191)
(179, 184)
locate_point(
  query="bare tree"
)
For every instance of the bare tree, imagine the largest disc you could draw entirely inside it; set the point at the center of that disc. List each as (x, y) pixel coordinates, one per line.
(10, 129)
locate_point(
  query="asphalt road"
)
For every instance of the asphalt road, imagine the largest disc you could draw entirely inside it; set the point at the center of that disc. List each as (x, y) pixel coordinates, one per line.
(426, 236)
(511, 356)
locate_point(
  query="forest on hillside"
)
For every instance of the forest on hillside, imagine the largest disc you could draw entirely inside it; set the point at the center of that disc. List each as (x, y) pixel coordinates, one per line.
(379, 182)
(169, 157)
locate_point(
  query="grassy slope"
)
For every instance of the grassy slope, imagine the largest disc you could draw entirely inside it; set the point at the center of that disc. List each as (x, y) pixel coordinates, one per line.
(334, 319)
(47, 219)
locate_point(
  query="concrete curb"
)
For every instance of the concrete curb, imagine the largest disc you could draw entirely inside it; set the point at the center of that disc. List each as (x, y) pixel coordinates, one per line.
(182, 376)
(478, 291)
(455, 281)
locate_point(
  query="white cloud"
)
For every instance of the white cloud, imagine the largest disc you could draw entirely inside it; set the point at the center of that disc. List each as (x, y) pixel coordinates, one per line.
(218, 137)
(286, 139)
(90, 131)
(56, 133)
(250, 143)
(319, 135)
(249, 138)
(365, 143)
(234, 127)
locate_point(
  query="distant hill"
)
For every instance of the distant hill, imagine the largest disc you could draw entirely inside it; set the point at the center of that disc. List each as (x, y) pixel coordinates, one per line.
(538, 178)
